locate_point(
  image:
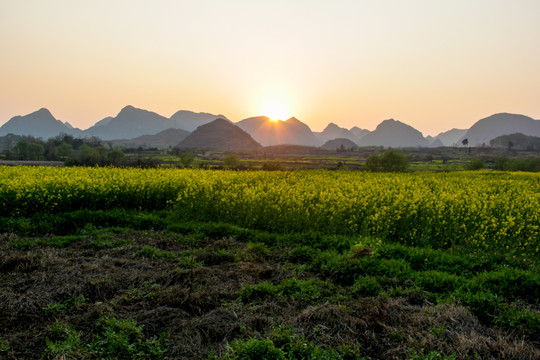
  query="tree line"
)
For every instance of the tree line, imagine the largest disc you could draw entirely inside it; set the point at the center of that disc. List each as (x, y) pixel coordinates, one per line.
(73, 151)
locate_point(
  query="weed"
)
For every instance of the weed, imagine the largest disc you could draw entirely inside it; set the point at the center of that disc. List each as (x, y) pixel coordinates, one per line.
(124, 339)
(4, 345)
(438, 282)
(432, 355)
(366, 286)
(65, 342)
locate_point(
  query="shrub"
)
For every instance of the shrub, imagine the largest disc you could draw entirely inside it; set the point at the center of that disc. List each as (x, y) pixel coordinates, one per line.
(509, 283)
(389, 161)
(475, 164)
(438, 282)
(255, 349)
(258, 291)
(523, 320)
(124, 339)
(484, 305)
(366, 286)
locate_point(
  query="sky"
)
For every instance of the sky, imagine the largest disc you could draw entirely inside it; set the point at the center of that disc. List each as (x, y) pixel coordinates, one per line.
(435, 65)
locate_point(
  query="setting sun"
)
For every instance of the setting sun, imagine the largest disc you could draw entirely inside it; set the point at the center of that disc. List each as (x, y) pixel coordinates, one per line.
(275, 111)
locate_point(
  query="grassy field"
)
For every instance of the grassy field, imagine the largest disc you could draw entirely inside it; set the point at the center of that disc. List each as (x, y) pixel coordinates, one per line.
(180, 264)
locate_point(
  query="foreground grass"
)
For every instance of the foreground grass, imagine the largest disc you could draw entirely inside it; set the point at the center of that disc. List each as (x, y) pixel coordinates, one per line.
(131, 284)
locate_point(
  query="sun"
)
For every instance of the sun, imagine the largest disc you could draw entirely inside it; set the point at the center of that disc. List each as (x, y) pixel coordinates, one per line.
(275, 111)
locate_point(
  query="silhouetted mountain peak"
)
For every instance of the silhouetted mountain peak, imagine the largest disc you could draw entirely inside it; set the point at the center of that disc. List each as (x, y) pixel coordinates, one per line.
(219, 134)
(394, 133)
(43, 112)
(332, 127)
(40, 123)
(131, 110)
(501, 124)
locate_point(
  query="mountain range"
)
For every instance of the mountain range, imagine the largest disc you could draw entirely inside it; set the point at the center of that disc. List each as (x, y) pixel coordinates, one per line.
(133, 126)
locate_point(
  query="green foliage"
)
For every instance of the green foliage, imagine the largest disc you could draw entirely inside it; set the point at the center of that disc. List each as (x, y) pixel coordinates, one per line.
(116, 157)
(231, 161)
(65, 342)
(255, 251)
(516, 318)
(186, 159)
(284, 344)
(438, 282)
(483, 304)
(64, 151)
(61, 307)
(4, 345)
(432, 355)
(254, 349)
(113, 339)
(366, 286)
(302, 254)
(63, 241)
(530, 164)
(29, 150)
(389, 161)
(511, 284)
(310, 290)
(123, 339)
(475, 164)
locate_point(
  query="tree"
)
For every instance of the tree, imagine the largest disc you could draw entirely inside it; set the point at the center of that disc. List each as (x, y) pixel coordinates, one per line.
(116, 156)
(475, 164)
(88, 155)
(231, 161)
(29, 150)
(373, 163)
(64, 151)
(389, 161)
(186, 159)
(21, 149)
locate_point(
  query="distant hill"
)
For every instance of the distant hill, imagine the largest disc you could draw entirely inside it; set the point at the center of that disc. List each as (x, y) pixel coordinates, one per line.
(129, 123)
(219, 134)
(338, 144)
(501, 124)
(268, 132)
(516, 141)
(40, 123)
(392, 133)
(132, 122)
(162, 140)
(451, 137)
(358, 132)
(333, 131)
(189, 120)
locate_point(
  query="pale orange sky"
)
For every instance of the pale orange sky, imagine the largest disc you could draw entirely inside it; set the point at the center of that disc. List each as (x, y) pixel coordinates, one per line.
(434, 65)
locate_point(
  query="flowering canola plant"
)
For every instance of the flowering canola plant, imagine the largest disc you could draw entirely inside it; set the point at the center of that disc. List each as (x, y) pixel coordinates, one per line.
(476, 210)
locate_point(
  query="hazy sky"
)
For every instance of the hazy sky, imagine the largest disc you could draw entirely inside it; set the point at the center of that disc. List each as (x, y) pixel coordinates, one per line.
(432, 64)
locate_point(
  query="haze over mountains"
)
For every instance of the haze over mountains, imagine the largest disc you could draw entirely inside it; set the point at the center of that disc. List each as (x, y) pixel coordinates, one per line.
(268, 132)
(133, 126)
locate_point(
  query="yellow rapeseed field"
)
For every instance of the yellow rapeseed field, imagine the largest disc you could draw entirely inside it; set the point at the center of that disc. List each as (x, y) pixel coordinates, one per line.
(476, 210)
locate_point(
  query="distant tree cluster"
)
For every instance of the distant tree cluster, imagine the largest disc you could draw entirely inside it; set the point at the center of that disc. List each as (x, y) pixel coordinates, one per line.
(389, 161)
(71, 150)
(516, 141)
(531, 164)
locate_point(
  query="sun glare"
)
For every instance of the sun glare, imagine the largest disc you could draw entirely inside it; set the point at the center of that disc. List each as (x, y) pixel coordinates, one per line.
(275, 111)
